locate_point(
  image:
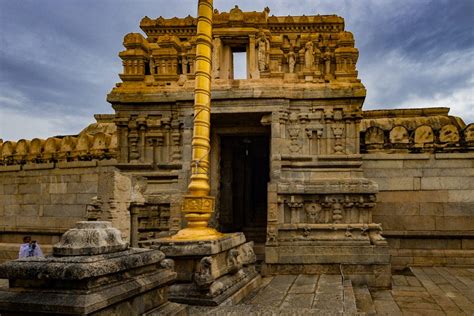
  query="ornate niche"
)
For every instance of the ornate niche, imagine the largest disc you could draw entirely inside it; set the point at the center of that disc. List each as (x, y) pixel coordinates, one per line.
(374, 138)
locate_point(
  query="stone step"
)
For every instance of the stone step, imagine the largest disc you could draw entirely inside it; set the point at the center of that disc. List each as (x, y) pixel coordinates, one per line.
(364, 300)
(257, 310)
(350, 306)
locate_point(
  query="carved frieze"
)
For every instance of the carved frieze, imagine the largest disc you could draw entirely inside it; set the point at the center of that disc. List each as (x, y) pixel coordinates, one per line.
(328, 208)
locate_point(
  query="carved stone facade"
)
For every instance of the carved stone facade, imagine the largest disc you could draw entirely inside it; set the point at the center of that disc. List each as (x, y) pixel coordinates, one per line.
(302, 85)
(295, 124)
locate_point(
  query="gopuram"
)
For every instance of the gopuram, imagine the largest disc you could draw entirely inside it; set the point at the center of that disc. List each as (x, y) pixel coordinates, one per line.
(294, 162)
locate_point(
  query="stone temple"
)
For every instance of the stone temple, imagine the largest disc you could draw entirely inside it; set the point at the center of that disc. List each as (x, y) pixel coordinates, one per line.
(296, 164)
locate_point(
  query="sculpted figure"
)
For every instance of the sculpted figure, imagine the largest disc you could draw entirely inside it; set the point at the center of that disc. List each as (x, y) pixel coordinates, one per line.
(291, 61)
(263, 52)
(327, 61)
(204, 277)
(309, 55)
(152, 66)
(313, 213)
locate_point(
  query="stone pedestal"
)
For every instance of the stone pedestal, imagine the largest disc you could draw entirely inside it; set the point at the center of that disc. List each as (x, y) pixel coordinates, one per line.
(92, 272)
(326, 228)
(214, 272)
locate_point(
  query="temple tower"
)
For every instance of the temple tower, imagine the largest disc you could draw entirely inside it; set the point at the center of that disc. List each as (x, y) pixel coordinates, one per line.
(285, 165)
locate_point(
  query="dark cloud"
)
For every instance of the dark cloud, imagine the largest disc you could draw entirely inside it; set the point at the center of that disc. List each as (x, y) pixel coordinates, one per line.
(58, 59)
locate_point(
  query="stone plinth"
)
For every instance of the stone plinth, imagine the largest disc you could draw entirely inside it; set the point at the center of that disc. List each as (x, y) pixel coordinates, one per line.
(325, 227)
(86, 276)
(211, 272)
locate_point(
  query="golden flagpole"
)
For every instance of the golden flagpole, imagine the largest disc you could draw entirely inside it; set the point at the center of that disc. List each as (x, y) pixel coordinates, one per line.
(198, 206)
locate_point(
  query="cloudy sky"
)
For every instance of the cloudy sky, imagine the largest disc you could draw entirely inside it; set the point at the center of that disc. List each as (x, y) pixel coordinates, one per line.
(58, 58)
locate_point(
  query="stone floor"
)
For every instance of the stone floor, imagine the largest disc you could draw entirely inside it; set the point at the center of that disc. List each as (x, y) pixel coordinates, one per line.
(419, 291)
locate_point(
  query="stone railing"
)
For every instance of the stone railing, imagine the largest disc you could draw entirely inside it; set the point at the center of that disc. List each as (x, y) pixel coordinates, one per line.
(415, 130)
(84, 146)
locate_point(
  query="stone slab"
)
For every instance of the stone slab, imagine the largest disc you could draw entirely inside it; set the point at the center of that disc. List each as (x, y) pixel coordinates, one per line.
(329, 294)
(82, 302)
(78, 267)
(168, 309)
(364, 300)
(176, 248)
(221, 290)
(304, 283)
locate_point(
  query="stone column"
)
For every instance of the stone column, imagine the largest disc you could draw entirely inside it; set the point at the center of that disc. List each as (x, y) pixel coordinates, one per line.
(252, 58)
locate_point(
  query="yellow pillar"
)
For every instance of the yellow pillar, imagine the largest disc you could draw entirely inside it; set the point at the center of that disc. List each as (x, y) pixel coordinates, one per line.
(198, 206)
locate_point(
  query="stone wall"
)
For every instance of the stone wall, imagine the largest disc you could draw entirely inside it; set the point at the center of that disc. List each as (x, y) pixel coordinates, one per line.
(45, 200)
(425, 206)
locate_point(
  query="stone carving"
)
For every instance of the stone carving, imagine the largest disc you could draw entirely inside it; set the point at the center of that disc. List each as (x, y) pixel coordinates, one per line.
(399, 135)
(314, 213)
(424, 135)
(272, 234)
(449, 134)
(102, 281)
(295, 207)
(309, 55)
(233, 261)
(291, 59)
(152, 220)
(338, 131)
(272, 212)
(70, 148)
(167, 264)
(203, 278)
(294, 129)
(326, 57)
(337, 213)
(469, 133)
(94, 209)
(263, 52)
(374, 135)
(90, 238)
(248, 255)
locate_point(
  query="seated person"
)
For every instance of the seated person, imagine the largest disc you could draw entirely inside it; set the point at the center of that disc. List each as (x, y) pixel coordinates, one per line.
(29, 248)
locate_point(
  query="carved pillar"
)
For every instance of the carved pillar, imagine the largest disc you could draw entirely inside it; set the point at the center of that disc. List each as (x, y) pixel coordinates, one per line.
(252, 58)
(122, 139)
(295, 206)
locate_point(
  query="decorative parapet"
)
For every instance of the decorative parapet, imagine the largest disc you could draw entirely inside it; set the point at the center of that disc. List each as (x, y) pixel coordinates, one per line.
(415, 130)
(96, 142)
(299, 49)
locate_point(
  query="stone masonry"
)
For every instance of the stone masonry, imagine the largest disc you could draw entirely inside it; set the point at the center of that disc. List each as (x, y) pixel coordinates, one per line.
(336, 174)
(92, 272)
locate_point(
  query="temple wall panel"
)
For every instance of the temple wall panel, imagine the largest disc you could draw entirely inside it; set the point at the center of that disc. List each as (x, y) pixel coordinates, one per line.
(45, 200)
(425, 206)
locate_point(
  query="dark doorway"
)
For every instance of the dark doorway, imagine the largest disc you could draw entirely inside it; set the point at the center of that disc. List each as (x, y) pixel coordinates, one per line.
(243, 187)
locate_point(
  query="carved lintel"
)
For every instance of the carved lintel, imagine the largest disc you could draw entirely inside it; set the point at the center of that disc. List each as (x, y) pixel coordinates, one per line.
(315, 130)
(155, 139)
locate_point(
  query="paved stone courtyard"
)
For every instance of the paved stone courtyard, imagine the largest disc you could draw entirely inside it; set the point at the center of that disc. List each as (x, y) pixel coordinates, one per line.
(419, 291)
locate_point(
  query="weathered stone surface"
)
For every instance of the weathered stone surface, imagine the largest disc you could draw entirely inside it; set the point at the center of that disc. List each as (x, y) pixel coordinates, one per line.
(176, 248)
(328, 157)
(118, 281)
(211, 272)
(90, 238)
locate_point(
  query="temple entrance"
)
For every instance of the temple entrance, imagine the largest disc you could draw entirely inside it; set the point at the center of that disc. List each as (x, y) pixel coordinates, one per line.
(244, 176)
